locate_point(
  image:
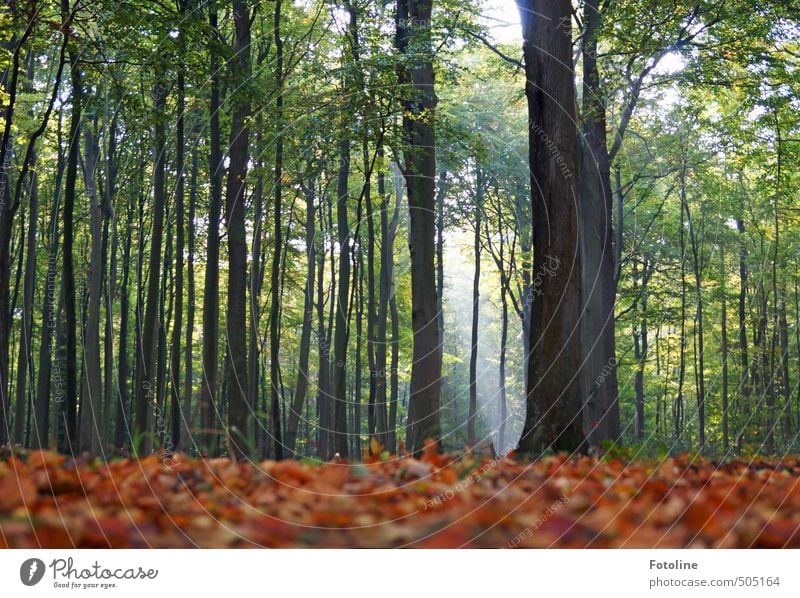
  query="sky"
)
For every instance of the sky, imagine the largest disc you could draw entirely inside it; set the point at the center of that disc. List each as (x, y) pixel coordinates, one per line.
(503, 20)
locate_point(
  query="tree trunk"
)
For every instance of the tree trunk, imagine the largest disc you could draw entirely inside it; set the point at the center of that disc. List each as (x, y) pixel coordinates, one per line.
(554, 403)
(724, 333)
(599, 374)
(43, 384)
(176, 374)
(414, 39)
(146, 356)
(239, 410)
(698, 281)
(71, 391)
(472, 438)
(91, 385)
(301, 388)
(274, 317)
(208, 391)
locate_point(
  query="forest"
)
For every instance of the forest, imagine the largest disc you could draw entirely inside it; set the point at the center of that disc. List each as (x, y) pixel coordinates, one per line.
(339, 231)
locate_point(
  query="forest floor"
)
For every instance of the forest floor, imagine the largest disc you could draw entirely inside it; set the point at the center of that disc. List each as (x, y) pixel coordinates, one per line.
(48, 500)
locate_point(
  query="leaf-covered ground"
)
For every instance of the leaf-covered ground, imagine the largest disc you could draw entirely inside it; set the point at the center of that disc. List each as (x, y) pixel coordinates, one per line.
(49, 500)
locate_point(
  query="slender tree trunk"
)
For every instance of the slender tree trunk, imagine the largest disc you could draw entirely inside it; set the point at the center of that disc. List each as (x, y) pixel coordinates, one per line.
(554, 402)
(472, 438)
(745, 381)
(301, 388)
(43, 385)
(71, 392)
(682, 361)
(208, 391)
(599, 373)
(724, 332)
(91, 386)
(122, 427)
(274, 319)
(188, 414)
(176, 372)
(147, 355)
(501, 438)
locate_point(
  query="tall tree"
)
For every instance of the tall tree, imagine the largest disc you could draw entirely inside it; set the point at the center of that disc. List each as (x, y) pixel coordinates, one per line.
(236, 375)
(414, 42)
(554, 403)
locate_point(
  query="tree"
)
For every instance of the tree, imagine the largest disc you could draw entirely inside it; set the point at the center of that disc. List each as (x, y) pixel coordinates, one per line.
(554, 403)
(413, 41)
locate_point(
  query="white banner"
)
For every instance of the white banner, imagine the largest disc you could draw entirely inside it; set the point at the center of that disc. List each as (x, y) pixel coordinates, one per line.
(404, 573)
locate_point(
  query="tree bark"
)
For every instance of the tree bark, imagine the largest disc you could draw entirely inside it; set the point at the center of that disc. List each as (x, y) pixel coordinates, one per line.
(599, 374)
(554, 402)
(413, 39)
(236, 376)
(208, 391)
(146, 356)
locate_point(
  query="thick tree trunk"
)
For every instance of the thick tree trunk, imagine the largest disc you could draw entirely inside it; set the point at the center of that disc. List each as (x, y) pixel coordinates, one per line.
(419, 105)
(554, 402)
(236, 375)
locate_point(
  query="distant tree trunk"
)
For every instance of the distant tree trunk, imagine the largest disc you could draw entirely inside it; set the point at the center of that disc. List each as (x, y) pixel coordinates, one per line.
(744, 358)
(724, 332)
(599, 373)
(682, 363)
(91, 386)
(176, 373)
(188, 414)
(640, 347)
(414, 39)
(43, 384)
(440, 197)
(239, 409)
(388, 230)
(146, 356)
(71, 392)
(554, 403)
(394, 379)
(323, 347)
(256, 284)
(787, 420)
(110, 229)
(301, 388)
(698, 281)
(472, 438)
(501, 439)
(208, 391)
(122, 427)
